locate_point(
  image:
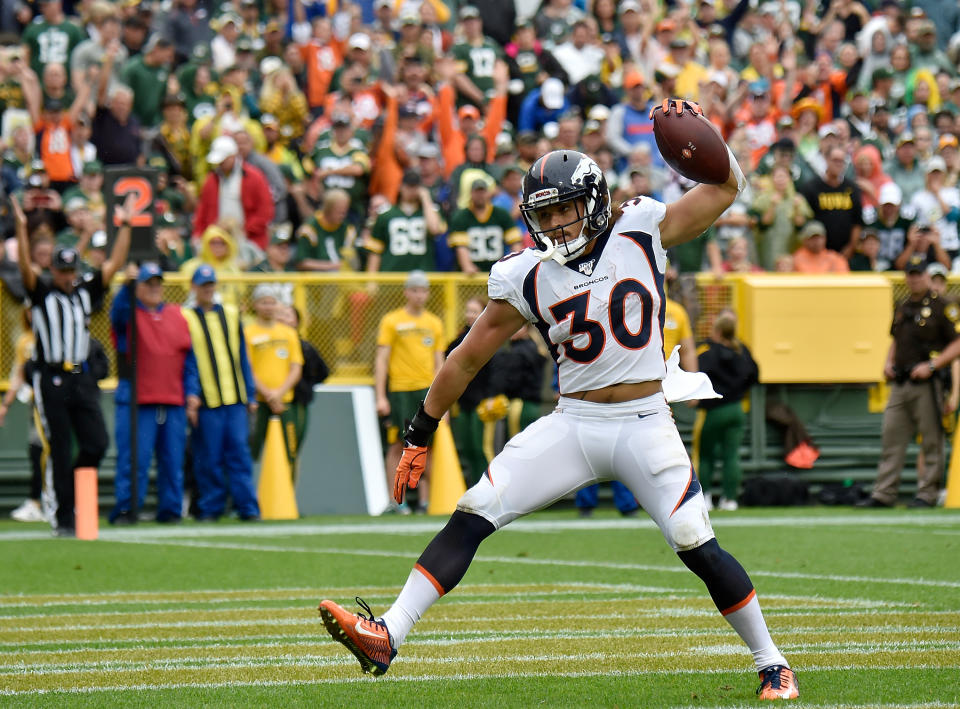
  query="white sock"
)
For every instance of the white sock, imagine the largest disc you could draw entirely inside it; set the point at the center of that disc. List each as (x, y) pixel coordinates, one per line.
(417, 595)
(752, 628)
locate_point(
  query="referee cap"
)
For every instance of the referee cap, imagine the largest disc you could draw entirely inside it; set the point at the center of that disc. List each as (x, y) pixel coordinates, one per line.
(66, 259)
(203, 275)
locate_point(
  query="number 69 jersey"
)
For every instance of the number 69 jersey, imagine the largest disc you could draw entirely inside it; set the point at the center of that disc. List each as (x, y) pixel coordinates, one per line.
(601, 314)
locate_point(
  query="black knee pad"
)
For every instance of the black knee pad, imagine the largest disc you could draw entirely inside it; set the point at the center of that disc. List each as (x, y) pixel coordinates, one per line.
(726, 580)
(448, 556)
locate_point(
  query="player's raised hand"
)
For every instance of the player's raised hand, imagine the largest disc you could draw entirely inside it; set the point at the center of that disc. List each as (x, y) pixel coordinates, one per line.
(677, 104)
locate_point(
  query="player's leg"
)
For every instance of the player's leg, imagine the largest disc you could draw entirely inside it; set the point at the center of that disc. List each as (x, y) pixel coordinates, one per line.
(537, 467)
(663, 481)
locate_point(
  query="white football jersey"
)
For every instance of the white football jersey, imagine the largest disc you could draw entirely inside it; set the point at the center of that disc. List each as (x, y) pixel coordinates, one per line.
(602, 314)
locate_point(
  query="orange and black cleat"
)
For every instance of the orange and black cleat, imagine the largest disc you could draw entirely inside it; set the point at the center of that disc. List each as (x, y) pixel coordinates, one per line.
(363, 635)
(778, 682)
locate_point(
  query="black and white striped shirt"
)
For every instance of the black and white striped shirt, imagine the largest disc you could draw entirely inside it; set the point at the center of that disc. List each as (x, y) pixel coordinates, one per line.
(60, 320)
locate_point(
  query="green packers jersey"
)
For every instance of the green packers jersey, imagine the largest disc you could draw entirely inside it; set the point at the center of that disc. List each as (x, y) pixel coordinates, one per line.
(51, 44)
(478, 62)
(487, 238)
(327, 156)
(402, 241)
(316, 240)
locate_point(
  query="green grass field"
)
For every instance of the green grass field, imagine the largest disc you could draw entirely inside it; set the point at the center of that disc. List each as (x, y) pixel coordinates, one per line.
(555, 611)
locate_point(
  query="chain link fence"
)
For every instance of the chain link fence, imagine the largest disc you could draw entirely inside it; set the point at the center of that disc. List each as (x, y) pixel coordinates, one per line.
(340, 312)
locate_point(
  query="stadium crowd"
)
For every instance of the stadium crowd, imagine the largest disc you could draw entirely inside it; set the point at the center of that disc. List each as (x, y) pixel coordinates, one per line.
(392, 135)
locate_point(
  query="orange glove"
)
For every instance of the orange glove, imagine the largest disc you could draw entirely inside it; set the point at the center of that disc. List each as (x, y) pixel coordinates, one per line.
(679, 104)
(411, 466)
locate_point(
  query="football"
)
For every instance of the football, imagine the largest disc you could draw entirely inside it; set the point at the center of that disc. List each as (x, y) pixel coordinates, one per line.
(691, 144)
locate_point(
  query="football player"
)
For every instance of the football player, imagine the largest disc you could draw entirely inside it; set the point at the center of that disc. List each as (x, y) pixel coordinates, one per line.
(593, 287)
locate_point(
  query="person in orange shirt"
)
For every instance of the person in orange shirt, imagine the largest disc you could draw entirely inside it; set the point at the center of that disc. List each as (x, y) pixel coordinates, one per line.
(322, 54)
(453, 138)
(813, 256)
(54, 126)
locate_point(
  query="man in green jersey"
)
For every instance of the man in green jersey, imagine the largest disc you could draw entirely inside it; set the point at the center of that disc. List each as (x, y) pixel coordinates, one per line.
(50, 38)
(476, 57)
(402, 237)
(322, 240)
(481, 232)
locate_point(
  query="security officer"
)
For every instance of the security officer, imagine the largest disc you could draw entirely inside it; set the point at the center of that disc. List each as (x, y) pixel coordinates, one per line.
(65, 390)
(926, 339)
(221, 452)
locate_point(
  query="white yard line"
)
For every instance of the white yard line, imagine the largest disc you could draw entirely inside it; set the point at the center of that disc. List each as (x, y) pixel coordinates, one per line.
(741, 519)
(676, 568)
(315, 660)
(452, 678)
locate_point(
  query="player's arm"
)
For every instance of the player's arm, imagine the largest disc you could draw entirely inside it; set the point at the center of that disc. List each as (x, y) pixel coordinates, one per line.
(693, 213)
(495, 325)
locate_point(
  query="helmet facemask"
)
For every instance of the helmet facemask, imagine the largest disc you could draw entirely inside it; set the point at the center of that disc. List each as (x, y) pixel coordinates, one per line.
(567, 241)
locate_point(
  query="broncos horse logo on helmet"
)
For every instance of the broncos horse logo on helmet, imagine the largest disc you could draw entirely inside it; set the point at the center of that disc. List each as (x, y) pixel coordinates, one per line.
(564, 176)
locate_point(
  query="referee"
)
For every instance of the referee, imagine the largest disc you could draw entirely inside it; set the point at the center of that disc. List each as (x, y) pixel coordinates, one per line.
(66, 394)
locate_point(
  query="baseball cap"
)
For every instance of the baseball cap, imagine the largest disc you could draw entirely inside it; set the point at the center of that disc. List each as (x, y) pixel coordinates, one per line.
(265, 290)
(479, 184)
(268, 65)
(168, 220)
(52, 104)
(469, 110)
(281, 233)
(469, 12)
(268, 119)
(813, 228)
(244, 44)
(719, 78)
(359, 40)
(203, 275)
(417, 279)
(66, 259)
(827, 129)
(223, 147)
(158, 161)
(157, 41)
(629, 6)
(428, 150)
(937, 269)
(411, 178)
(666, 26)
(760, 87)
(633, 78)
(935, 164)
(598, 112)
(93, 167)
(174, 100)
(904, 139)
(551, 93)
(340, 120)
(149, 270)
(947, 140)
(591, 126)
(890, 193)
(75, 203)
(784, 143)
(680, 42)
(916, 264)
(881, 73)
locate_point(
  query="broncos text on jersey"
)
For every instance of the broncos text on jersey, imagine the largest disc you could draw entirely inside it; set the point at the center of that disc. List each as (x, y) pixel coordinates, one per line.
(601, 314)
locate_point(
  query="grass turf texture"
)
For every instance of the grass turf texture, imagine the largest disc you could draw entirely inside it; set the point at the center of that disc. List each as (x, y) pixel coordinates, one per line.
(554, 612)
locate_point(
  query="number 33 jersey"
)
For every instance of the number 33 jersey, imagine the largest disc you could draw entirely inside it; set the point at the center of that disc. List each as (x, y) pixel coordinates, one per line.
(601, 314)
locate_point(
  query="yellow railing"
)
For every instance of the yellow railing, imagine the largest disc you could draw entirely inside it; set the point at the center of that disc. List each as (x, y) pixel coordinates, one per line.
(340, 312)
